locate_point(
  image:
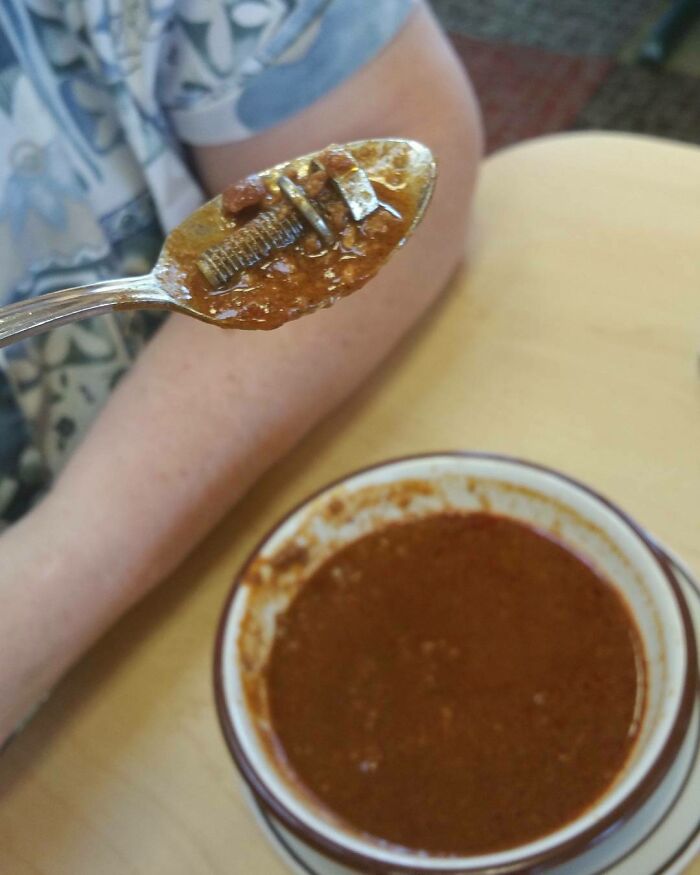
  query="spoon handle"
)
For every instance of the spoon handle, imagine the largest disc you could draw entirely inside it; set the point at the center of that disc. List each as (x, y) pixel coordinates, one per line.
(46, 311)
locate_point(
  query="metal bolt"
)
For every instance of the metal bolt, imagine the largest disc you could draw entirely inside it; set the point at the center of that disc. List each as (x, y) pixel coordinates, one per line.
(276, 228)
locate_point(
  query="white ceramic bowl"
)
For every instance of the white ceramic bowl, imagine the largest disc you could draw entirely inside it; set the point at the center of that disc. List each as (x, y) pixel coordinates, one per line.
(417, 486)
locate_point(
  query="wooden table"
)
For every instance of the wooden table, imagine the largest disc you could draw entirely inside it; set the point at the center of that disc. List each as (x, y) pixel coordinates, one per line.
(572, 338)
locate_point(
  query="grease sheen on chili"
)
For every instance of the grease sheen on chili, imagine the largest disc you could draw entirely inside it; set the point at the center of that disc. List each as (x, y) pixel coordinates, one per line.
(308, 274)
(458, 684)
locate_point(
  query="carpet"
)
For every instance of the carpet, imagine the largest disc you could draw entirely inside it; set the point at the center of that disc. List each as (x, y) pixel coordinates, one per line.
(541, 66)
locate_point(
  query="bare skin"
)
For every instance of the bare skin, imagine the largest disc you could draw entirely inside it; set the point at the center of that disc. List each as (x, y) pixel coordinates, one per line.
(130, 505)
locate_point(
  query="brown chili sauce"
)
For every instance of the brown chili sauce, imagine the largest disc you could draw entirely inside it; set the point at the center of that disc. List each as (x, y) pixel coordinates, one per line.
(306, 275)
(458, 684)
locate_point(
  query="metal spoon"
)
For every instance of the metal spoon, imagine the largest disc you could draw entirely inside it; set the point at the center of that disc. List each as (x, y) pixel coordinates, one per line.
(215, 252)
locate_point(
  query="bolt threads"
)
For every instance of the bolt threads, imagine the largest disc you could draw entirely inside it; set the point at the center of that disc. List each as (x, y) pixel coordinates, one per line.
(271, 229)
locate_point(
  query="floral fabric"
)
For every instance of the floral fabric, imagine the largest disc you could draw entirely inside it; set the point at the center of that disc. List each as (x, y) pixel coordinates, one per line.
(98, 99)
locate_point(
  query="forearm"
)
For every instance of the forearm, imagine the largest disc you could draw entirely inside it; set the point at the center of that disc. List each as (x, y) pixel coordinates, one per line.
(202, 414)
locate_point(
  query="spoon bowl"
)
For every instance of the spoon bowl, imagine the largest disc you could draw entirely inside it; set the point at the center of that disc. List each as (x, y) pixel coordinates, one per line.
(386, 186)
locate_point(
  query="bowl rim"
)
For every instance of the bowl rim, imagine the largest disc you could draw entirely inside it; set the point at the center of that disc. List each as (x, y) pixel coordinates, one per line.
(558, 853)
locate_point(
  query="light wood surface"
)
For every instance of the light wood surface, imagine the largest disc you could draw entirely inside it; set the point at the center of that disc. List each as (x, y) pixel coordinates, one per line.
(571, 338)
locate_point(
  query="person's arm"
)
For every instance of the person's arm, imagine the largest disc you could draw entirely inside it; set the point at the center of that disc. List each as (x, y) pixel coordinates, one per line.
(205, 411)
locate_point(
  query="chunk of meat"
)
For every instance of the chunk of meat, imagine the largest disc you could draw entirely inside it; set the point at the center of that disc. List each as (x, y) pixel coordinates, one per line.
(245, 193)
(314, 182)
(336, 161)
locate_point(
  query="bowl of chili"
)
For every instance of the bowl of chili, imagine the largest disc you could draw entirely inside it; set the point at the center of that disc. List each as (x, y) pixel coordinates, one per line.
(455, 662)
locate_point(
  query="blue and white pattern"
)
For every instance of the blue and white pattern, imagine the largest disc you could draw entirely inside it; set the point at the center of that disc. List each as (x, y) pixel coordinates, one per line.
(98, 101)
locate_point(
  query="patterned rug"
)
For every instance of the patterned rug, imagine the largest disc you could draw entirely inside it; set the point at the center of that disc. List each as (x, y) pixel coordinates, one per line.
(541, 66)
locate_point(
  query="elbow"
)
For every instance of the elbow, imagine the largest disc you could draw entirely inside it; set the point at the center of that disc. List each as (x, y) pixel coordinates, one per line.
(455, 134)
(454, 131)
(451, 126)
(438, 106)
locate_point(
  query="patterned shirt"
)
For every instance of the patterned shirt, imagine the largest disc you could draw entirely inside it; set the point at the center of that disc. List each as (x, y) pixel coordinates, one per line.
(98, 100)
